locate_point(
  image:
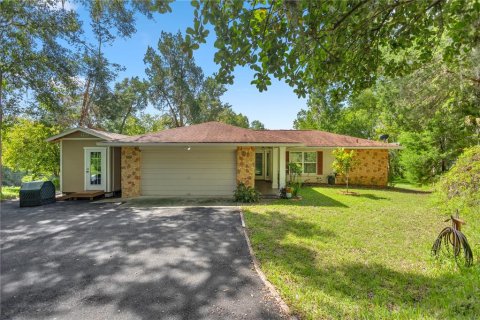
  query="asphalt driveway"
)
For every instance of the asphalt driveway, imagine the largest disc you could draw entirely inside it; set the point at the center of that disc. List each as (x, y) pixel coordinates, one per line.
(78, 260)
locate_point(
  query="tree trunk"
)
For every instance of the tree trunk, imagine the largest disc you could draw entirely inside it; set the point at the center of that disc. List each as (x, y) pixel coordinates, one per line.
(84, 113)
(347, 182)
(1, 127)
(125, 118)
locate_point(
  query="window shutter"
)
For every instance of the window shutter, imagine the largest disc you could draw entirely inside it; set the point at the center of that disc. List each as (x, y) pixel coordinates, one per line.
(287, 159)
(319, 162)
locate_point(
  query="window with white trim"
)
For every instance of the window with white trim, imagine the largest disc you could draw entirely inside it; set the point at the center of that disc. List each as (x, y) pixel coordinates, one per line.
(306, 160)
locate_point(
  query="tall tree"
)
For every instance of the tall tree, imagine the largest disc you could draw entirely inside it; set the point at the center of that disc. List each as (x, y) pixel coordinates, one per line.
(179, 89)
(41, 44)
(314, 44)
(175, 79)
(128, 99)
(433, 112)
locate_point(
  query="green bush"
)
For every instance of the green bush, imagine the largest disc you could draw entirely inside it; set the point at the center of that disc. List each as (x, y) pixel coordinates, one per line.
(246, 194)
(459, 188)
(295, 183)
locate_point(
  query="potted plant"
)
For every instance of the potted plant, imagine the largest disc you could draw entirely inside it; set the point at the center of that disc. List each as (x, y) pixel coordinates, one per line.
(331, 179)
(295, 183)
(289, 192)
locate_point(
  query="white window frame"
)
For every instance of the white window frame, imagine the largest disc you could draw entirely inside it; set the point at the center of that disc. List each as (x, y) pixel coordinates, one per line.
(304, 162)
(105, 169)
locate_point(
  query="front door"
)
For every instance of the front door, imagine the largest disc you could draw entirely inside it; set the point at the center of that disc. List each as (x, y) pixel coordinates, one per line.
(263, 166)
(95, 168)
(259, 165)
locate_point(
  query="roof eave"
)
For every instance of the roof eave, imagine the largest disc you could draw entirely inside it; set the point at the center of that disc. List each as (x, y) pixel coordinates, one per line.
(357, 147)
(70, 131)
(181, 144)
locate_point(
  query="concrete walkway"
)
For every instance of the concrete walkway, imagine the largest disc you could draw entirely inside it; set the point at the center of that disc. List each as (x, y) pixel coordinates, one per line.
(77, 260)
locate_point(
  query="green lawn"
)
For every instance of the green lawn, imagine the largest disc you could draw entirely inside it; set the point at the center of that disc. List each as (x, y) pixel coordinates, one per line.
(9, 193)
(334, 256)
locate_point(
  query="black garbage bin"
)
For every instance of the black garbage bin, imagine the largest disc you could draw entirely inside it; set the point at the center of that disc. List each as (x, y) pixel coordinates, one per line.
(37, 193)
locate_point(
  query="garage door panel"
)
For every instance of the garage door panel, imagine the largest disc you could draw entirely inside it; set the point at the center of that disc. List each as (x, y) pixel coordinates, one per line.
(178, 172)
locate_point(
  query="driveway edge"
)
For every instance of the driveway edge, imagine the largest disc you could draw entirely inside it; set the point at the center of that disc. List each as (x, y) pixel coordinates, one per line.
(256, 264)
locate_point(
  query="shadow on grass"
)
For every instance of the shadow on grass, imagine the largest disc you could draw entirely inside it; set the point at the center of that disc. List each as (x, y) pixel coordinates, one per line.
(313, 197)
(404, 190)
(370, 196)
(372, 289)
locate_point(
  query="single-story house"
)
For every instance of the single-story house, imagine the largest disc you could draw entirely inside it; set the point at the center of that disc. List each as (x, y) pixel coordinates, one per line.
(208, 159)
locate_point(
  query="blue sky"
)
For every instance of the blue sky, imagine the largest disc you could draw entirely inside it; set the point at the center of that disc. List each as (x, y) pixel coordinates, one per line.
(276, 108)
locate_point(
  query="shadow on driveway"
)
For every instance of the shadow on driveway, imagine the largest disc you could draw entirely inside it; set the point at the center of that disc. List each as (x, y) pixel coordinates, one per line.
(83, 260)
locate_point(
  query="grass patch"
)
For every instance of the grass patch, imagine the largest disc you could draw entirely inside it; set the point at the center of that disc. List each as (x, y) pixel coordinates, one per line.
(407, 185)
(362, 257)
(8, 193)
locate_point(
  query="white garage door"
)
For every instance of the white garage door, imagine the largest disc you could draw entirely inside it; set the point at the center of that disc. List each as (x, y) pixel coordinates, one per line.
(173, 172)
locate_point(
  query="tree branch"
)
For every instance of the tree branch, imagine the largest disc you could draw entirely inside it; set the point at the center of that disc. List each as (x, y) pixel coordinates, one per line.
(349, 13)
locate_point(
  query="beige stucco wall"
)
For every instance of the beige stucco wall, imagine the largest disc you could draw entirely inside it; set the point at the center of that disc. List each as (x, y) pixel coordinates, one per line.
(246, 166)
(130, 163)
(73, 164)
(372, 169)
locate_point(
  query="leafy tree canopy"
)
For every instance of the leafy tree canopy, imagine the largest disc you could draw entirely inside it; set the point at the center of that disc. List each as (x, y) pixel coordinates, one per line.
(25, 148)
(42, 45)
(459, 189)
(433, 112)
(338, 46)
(179, 89)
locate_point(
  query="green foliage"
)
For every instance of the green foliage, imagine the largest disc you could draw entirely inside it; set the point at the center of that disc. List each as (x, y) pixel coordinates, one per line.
(257, 125)
(334, 256)
(44, 49)
(7, 193)
(344, 162)
(433, 112)
(228, 116)
(356, 116)
(459, 188)
(128, 99)
(246, 194)
(314, 44)
(295, 170)
(25, 149)
(179, 89)
(144, 123)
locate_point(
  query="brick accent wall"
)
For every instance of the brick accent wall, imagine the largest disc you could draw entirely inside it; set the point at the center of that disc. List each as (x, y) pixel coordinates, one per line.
(246, 165)
(372, 169)
(130, 172)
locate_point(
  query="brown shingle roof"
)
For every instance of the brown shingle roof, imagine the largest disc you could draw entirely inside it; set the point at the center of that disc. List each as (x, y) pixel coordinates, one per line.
(217, 132)
(316, 138)
(95, 132)
(208, 132)
(110, 135)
